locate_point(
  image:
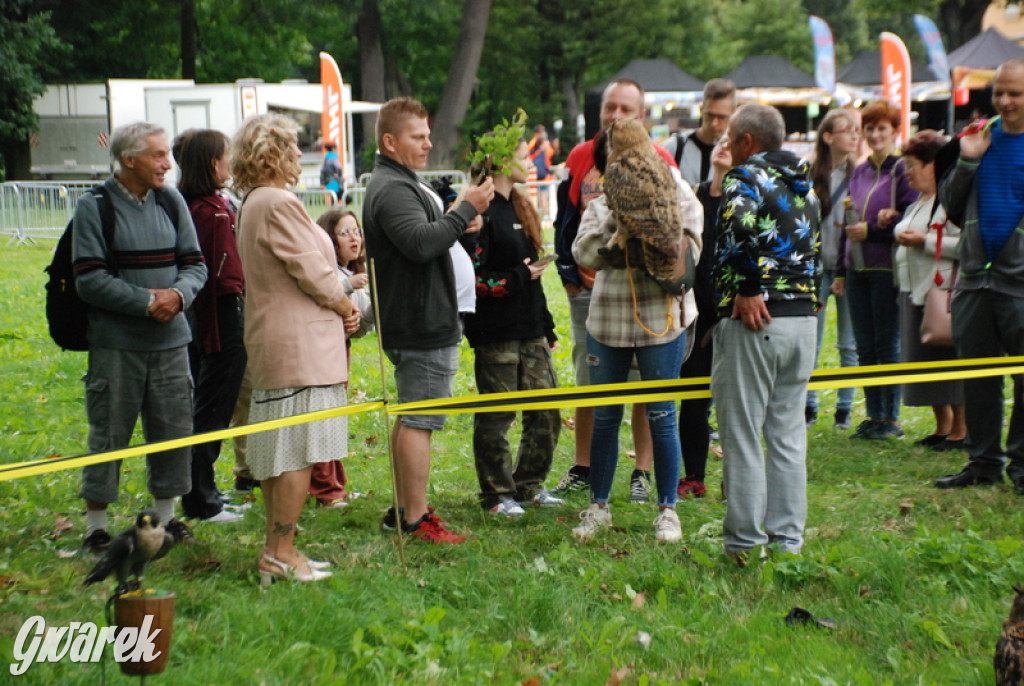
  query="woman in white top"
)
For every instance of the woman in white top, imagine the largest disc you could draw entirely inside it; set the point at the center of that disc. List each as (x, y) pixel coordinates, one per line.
(917, 236)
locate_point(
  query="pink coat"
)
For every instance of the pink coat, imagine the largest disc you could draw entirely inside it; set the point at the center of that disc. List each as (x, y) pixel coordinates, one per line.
(292, 335)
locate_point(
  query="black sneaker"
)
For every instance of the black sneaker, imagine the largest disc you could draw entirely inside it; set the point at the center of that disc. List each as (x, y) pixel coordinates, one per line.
(96, 543)
(810, 415)
(868, 429)
(245, 485)
(843, 420)
(575, 480)
(639, 486)
(180, 532)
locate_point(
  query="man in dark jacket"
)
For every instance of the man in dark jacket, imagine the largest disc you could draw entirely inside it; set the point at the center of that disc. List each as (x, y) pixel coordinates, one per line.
(983, 191)
(767, 276)
(410, 242)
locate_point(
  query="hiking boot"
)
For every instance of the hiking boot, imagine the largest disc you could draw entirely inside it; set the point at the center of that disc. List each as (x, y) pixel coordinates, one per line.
(639, 486)
(843, 420)
(546, 499)
(388, 523)
(592, 519)
(574, 480)
(690, 487)
(180, 532)
(96, 543)
(666, 526)
(432, 530)
(509, 508)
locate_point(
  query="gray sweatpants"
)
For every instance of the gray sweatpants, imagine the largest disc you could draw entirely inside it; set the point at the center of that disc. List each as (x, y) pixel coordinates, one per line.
(758, 383)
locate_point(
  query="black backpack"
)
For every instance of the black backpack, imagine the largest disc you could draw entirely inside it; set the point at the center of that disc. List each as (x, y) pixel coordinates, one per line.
(66, 313)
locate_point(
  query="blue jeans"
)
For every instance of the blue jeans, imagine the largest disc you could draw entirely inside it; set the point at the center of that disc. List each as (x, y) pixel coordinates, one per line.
(611, 365)
(844, 340)
(874, 311)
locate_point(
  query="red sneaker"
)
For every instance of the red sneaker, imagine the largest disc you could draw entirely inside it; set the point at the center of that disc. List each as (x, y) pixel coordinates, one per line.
(690, 487)
(431, 529)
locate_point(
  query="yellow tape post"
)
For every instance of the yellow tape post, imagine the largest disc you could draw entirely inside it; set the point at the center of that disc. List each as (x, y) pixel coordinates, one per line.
(556, 398)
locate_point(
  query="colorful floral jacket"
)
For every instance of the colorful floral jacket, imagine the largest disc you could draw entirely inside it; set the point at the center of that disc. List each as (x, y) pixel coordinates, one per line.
(768, 235)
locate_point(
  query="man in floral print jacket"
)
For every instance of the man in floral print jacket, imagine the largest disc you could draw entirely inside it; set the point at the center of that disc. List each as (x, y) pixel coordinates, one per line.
(766, 274)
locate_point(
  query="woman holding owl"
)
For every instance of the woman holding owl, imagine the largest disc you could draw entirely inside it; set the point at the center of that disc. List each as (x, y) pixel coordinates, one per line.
(633, 314)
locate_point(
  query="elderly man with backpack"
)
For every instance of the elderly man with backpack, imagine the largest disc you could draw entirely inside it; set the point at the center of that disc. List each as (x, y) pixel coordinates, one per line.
(137, 287)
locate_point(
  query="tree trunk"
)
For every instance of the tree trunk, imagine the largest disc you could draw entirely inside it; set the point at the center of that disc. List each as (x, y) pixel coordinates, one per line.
(960, 20)
(461, 78)
(371, 61)
(188, 39)
(570, 112)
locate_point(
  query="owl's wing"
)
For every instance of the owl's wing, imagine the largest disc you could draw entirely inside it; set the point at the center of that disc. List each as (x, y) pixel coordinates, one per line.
(645, 199)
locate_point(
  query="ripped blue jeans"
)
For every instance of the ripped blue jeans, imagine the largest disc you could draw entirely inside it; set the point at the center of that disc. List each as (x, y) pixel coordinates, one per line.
(611, 365)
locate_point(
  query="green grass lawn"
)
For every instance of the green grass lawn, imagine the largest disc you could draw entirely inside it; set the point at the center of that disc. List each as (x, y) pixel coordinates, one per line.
(919, 579)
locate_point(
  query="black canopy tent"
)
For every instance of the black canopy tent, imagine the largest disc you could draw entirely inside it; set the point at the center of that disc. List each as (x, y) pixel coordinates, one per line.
(774, 80)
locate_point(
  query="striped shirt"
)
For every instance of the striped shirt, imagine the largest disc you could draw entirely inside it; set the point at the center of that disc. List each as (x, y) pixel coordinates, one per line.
(1000, 189)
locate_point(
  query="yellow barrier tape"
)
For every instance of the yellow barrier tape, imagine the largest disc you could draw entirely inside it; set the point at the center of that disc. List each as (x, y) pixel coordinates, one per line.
(23, 469)
(686, 389)
(557, 398)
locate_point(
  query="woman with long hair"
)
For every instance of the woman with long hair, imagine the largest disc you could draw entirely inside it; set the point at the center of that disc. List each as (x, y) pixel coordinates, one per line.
(835, 151)
(512, 334)
(294, 334)
(217, 352)
(879, 193)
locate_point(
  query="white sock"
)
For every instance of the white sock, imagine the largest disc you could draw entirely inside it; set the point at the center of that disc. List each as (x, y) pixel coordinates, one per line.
(94, 520)
(164, 509)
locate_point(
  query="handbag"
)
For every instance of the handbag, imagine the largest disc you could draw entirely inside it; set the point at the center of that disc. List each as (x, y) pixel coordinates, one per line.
(937, 319)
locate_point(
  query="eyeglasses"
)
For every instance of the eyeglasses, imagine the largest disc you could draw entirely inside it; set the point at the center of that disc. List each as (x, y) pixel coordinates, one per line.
(350, 232)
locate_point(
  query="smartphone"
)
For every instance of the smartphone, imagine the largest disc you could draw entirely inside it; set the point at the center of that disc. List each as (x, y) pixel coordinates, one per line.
(544, 259)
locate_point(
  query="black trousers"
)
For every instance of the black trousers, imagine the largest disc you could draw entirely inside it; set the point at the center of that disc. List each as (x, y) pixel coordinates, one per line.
(218, 377)
(694, 414)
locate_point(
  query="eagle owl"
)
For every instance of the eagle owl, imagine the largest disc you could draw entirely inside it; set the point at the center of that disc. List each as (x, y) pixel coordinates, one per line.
(1009, 658)
(644, 198)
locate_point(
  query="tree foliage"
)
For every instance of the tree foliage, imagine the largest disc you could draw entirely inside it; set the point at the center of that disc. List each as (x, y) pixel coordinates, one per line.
(27, 51)
(540, 55)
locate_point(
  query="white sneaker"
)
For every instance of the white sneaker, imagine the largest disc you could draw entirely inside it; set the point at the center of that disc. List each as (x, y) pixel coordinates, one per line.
(545, 499)
(225, 517)
(592, 519)
(509, 508)
(666, 526)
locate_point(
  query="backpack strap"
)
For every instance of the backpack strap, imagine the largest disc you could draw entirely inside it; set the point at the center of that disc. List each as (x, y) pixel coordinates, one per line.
(680, 142)
(107, 221)
(164, 200)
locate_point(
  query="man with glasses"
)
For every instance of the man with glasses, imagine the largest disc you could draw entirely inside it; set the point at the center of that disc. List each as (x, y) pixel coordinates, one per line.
(692, 151)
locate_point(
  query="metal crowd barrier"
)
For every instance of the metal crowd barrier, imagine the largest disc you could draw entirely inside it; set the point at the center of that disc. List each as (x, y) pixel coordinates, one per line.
(39, 210)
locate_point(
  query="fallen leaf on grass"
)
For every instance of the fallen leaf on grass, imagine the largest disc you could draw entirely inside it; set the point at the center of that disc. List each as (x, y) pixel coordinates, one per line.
(638, 601)
(535, 681)
(422, 583)
(617, 675)
(7, 581)
(569, 423)
(357, 397)
(716, 450)
(63, 524)
(65, 554)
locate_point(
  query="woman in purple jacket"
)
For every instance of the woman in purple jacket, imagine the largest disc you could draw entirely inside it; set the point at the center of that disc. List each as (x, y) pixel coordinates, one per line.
(879, 192)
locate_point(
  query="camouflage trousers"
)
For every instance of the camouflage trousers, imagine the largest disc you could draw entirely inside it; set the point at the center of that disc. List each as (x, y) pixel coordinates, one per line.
(503, 368)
